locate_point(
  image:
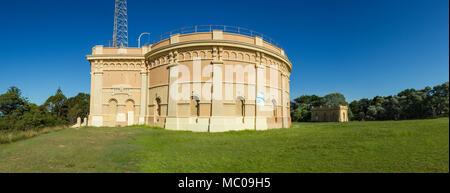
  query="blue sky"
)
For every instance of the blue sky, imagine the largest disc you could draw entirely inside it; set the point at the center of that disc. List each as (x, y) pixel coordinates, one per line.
(358, 48)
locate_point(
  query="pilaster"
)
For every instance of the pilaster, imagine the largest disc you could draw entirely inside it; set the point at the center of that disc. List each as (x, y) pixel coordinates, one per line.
(260, 119)
(144, 97)
(97, 117)
(217, 121)
(171, 119)
(283, 101)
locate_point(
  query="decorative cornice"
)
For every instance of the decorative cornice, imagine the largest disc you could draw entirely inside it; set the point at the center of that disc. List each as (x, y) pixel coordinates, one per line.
(223, 43)
(115, 57)
(260, 66)
(216, 62)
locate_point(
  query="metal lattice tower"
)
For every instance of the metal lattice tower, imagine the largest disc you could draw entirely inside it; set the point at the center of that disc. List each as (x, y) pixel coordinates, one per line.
(120, 36)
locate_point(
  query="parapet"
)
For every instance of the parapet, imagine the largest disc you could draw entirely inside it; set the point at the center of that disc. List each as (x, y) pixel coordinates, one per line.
(101, 50)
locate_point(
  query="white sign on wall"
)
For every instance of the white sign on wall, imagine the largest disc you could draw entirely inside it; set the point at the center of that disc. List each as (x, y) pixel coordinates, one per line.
(130, 117)
(97, 121)
(121, 117)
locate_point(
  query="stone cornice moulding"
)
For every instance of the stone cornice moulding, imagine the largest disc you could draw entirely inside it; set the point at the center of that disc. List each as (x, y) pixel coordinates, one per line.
(216, 62)
(125, 70)
(223, 43)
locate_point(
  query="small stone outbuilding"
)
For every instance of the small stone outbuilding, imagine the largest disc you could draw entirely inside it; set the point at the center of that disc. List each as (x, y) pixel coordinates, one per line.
(329, 114)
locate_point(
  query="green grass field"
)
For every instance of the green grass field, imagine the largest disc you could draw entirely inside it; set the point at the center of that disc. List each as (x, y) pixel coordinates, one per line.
(390, 146)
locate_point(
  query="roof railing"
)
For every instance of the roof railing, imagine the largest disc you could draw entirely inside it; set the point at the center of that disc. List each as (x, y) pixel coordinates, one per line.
(210, 28)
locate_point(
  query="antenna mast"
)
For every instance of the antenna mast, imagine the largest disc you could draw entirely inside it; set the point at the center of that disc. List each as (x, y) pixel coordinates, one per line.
(120, 36)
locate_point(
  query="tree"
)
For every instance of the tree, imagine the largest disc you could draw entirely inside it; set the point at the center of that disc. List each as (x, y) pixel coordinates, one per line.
(362, 116)
(441, 99)
(380, 112)
(312, 100)
(303, 105)
(392, 108)
(302, 113)
(335, 99)
(77, 106)
(371, 114)
(293, 106)
(12, 101)
(354, 107)
(406, 92)
(56, 104)
(413, 104)
(364, 104)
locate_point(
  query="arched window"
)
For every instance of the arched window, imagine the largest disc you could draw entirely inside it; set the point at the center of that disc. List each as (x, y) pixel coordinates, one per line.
(195, 106)
(240, 107)
(129, 105)
(157, 109)
(275, 112)
(112, 106)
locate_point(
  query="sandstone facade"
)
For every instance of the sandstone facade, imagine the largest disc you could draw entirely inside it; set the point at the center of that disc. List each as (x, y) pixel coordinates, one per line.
(205, 82)
(329, 114)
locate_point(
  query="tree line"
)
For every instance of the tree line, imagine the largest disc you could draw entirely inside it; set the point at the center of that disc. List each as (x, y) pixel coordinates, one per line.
(17, 113)
(408, 104)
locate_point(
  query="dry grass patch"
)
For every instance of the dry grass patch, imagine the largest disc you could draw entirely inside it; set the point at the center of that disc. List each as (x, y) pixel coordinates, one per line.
(13, 136)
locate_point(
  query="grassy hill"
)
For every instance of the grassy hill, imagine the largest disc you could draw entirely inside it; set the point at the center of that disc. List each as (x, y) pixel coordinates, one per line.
(388, 146)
